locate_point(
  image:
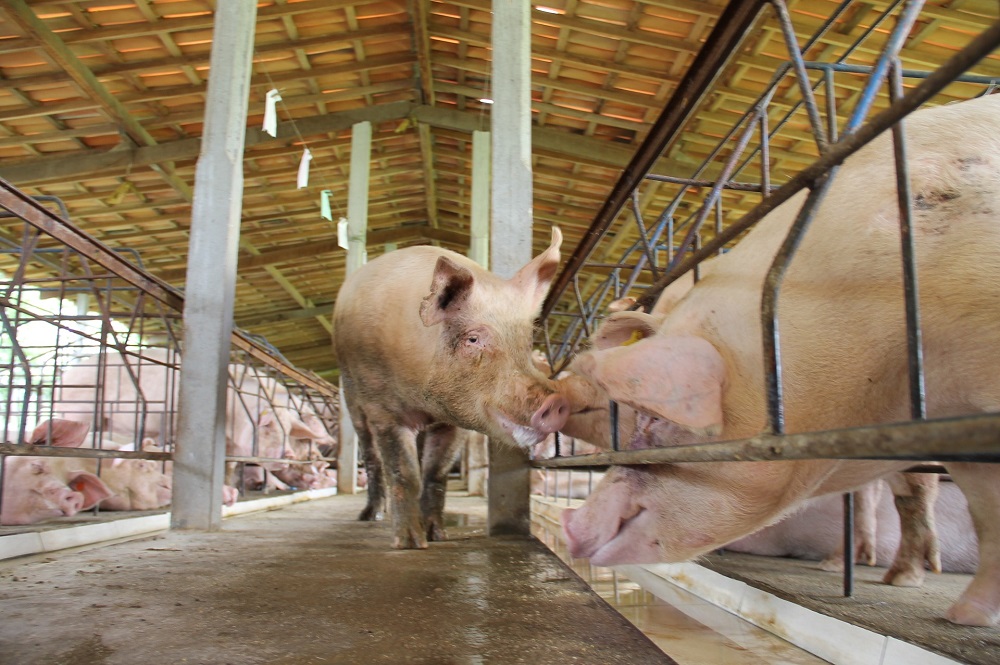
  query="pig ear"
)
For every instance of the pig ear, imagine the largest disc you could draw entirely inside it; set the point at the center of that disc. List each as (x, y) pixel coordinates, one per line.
(621, 304)
(624, 328)
(300, 430)
(65, 433)
(679, 378)
(90, 486)
(450, 290)
(536, 277)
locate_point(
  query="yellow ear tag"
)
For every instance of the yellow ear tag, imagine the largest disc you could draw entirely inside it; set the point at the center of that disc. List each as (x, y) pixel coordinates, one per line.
(634, 337)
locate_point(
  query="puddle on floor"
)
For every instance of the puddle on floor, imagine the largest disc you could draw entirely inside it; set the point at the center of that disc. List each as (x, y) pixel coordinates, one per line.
(690, 630)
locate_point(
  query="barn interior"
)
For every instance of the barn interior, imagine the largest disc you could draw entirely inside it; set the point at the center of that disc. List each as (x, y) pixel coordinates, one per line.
(656, 129)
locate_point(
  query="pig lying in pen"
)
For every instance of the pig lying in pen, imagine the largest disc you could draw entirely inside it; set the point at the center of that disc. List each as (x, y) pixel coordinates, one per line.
(429, 341)
(697, 374)
(138, 399)
(36, 489)
(817, 528)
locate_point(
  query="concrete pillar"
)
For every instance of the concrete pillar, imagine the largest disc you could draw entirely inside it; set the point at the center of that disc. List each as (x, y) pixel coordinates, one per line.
(476, 452)
(357, 230)
(479, 217)
(199, 459)
(510, 244)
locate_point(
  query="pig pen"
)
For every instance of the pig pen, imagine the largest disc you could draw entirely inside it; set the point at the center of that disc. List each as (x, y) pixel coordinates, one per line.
(88, 337)
(101, 346)
(629, 256)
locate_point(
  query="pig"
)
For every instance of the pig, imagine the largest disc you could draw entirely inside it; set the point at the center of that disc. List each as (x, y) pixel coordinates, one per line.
(817, 526)
(260, 416)
(697, 374)
(42, 488)
(590, 419)
(428, 341)
(137, 484)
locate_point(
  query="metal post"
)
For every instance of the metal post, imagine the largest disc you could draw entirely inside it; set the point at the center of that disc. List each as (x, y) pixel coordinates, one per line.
(211, 274)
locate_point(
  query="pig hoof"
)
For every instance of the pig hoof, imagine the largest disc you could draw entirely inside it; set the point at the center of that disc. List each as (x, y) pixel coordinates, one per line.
(436, 533)
(904, 577)
(968, 613)
(833, 564)
(370, 514)
(409, 542)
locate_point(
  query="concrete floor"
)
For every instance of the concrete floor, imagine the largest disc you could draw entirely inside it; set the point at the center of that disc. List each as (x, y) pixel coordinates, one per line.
(309, 584)
(912, 615)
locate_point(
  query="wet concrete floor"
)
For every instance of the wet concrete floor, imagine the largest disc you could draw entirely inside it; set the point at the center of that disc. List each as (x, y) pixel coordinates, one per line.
(310, 584)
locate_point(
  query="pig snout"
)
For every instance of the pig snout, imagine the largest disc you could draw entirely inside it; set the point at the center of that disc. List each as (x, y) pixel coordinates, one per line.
(551, 415)
(65, 500)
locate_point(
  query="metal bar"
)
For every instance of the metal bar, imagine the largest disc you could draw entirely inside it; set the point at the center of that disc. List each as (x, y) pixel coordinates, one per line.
(769, 303)
(968, 438)
(643, 236)
(914, 335)
(891, 51)
(724, 176)
(981, 46)
(906, 73)
(695, 182)
(89, 453)
(801, 76)
(848, 544)
(732, 27)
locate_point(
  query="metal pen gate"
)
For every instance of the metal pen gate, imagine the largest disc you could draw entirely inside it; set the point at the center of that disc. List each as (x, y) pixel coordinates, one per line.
(789, 112)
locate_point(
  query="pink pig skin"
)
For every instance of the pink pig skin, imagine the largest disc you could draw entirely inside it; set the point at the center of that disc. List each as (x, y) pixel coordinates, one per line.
(843, 345)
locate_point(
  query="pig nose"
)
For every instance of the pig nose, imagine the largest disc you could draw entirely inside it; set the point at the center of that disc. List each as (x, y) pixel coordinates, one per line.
(71, 503)
(551, 415)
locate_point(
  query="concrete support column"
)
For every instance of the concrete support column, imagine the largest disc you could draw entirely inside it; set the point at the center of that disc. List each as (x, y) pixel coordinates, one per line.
(479, 217)
(357, 231)
(510, 244)
(199, 459)
(476, 452)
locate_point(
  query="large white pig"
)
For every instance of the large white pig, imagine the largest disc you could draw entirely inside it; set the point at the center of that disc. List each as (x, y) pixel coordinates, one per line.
(698, 373)
(817, 527)
(41, 488)
(138, 400)
(428, 340)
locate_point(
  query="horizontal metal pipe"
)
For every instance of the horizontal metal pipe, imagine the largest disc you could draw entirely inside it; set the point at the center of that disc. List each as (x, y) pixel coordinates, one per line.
(969, 438)
(981, 46)
(100, 453)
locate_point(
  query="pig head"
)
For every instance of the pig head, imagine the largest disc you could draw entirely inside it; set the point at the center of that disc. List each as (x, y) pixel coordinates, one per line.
(41, 488)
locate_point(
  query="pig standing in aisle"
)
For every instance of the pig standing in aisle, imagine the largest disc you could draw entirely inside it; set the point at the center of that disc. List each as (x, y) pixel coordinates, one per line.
(697, 374)
(430, 341)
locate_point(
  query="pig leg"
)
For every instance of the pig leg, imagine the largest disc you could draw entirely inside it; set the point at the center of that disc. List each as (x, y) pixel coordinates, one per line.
(374, 510)
(865, 505)
(914, 494)
(442, 446)
(397, 447)
(979, 604)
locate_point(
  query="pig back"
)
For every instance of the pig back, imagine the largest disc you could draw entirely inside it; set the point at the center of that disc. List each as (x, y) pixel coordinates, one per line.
(841, 308)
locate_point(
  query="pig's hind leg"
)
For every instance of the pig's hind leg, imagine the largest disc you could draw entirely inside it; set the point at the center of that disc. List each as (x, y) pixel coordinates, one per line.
(374, 510)
(442, 445)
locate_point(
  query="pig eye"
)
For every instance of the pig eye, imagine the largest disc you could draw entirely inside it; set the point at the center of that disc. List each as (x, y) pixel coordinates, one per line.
(472, 339)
